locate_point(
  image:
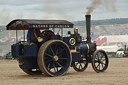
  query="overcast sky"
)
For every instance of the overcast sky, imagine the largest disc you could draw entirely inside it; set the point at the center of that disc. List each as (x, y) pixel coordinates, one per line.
(71, 10)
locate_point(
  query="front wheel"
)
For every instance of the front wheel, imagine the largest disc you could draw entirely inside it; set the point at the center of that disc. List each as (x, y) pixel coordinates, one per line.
(100, 61)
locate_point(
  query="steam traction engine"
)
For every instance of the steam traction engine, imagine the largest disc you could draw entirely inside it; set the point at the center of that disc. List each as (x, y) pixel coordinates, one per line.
(55, 54)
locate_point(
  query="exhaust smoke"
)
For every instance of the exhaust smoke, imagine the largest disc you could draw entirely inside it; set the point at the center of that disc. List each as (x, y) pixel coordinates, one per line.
(6, 16)
(108, 4)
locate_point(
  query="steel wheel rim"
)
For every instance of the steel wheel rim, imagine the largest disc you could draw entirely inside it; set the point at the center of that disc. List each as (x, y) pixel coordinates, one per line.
(80, 66)
(100, 61)
(60, 65)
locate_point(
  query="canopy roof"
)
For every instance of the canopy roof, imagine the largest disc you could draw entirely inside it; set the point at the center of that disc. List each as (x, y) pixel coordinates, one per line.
(25, 24)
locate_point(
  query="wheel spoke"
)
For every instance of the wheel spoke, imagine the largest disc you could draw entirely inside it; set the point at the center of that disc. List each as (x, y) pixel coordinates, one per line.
(52, 51)
(63, 58)
(49, 55)
(60, 65)
(48, 61)
(85, 62)
(102, 56)
(97, 65)
(61, 51)
(96, 57)
(102, 65)
(103, 59)
(57, 68)
(56, 48)
(56, 51)
(77, 64)
(81, 66)
(96, 61)
(49, 66)
(54, 68)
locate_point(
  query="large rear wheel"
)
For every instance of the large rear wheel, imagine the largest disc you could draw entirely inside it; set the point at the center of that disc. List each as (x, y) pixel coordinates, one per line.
(54, 58)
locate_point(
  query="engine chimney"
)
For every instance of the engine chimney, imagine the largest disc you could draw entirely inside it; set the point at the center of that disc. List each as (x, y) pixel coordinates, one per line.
(88, 22)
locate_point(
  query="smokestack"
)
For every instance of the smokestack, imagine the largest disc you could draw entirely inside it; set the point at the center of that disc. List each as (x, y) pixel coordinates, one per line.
(88, 22)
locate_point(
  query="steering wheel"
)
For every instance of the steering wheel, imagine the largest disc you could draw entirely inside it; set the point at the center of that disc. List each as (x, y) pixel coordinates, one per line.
(47, 34)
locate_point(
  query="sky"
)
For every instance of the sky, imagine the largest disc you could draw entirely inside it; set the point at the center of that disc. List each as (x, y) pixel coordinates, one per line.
(72, 10)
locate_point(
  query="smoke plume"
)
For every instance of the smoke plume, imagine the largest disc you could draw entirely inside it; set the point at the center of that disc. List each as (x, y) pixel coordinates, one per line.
(108, 4)
(6, 16)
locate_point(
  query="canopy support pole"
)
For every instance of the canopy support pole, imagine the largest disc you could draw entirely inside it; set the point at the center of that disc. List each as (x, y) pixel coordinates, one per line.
(53, 30)
(24, 34)
(62, 32)
(16, 37)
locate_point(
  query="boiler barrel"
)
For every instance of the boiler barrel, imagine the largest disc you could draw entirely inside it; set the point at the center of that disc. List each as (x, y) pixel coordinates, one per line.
(83, 48)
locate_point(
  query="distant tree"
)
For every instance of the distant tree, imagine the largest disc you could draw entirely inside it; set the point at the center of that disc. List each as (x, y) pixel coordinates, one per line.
(121, 49)
(103, 22)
